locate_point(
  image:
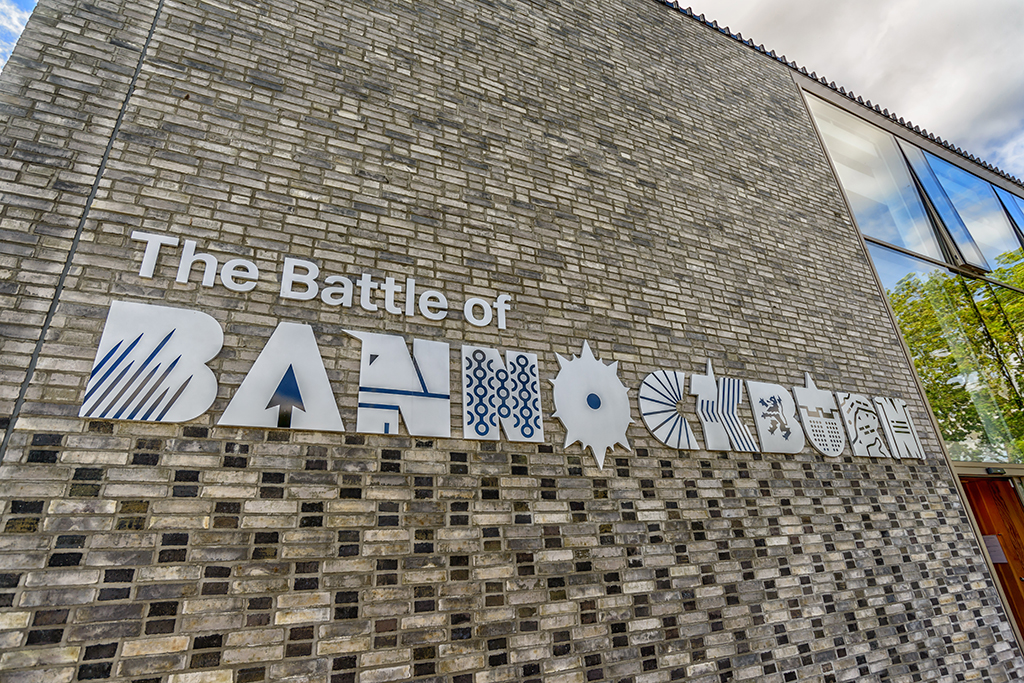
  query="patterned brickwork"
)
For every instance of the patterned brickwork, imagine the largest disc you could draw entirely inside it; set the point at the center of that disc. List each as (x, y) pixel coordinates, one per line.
(503, 564)
(632, 178)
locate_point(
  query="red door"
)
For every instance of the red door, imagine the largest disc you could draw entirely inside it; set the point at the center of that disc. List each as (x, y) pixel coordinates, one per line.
(998, 509)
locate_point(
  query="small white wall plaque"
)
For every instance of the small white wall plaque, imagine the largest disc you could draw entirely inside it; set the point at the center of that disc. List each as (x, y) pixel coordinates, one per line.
(995, 549)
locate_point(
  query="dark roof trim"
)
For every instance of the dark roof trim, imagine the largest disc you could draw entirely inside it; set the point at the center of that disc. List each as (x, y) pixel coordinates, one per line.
(849, 94)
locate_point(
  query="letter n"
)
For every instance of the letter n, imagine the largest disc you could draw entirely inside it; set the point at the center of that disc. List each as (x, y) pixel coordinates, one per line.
(899, 428)
(496, 393)
(392, 383)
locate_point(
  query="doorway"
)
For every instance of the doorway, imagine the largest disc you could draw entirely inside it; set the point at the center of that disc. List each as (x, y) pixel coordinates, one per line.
(997, 508)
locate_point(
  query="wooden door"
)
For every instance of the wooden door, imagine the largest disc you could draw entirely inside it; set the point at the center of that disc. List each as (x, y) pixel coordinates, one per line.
(998, 509)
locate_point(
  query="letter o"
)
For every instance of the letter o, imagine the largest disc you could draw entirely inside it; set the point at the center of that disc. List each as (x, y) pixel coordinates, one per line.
(468, 311)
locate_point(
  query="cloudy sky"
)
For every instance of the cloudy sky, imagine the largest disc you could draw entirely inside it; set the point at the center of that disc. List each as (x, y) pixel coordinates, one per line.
(957, 71)
(13, 15)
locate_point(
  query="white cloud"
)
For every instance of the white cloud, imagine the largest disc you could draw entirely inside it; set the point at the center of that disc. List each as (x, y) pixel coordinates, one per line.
(1007, 153)
(959, 74)
(12, 23)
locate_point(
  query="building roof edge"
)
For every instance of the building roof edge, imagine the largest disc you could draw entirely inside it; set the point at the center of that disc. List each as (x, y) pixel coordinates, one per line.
(849, 94)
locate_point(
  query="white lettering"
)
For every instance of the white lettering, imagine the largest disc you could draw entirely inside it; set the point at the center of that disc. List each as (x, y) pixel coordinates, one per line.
(239, 269)
(899, 428)
(468, 311)
(775, 418)
(410, 297)
(290, 277)
(392, 383)
(717, 401)
(366, 286)
(287, 387)
(431, 299)
(390, 289)
(501, 306)
(153, 244)
(495, 393)
(189, 258)
(337, 296)
(151, 364)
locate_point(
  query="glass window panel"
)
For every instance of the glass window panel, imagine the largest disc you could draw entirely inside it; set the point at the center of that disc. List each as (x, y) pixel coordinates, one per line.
(1020, 206)
(1002, 311)
(877, 181)
(943, 206)
(976, 204)
(1014, 206)
(967, 351)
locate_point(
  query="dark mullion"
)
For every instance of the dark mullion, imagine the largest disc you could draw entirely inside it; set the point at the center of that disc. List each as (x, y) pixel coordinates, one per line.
(960, 270)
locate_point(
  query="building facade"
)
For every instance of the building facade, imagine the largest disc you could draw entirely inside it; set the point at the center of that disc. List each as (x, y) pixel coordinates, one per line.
(461, 341)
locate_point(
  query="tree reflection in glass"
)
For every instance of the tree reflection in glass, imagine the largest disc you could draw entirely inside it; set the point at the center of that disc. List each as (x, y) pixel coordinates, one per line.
(963, 335)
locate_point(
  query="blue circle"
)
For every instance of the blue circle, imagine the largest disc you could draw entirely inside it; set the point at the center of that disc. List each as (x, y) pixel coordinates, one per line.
(594, 401)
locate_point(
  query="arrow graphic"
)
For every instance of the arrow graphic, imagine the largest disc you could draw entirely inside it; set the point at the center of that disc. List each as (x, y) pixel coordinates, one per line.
(286, 397)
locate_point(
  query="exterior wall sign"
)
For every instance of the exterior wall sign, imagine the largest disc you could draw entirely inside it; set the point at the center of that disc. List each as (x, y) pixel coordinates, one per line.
(301, 281)
(820, 415)
(717, 407)
(151, 366)
(288, 375)
(393, 383)
(661, 395)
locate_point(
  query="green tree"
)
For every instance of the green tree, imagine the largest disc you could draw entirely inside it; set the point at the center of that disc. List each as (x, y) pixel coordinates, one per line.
(968, 353)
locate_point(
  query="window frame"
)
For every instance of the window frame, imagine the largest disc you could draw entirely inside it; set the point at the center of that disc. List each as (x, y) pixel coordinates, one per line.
(903, 136)
(808, 87)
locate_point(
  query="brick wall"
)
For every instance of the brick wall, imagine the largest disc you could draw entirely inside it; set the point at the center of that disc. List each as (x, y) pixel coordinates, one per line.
(632, 178)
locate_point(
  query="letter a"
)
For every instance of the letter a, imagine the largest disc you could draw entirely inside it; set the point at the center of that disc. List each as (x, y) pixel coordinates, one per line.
(287, 386)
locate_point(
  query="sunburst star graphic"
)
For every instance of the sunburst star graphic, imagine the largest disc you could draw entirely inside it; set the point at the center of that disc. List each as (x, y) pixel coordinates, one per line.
(591, 403)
